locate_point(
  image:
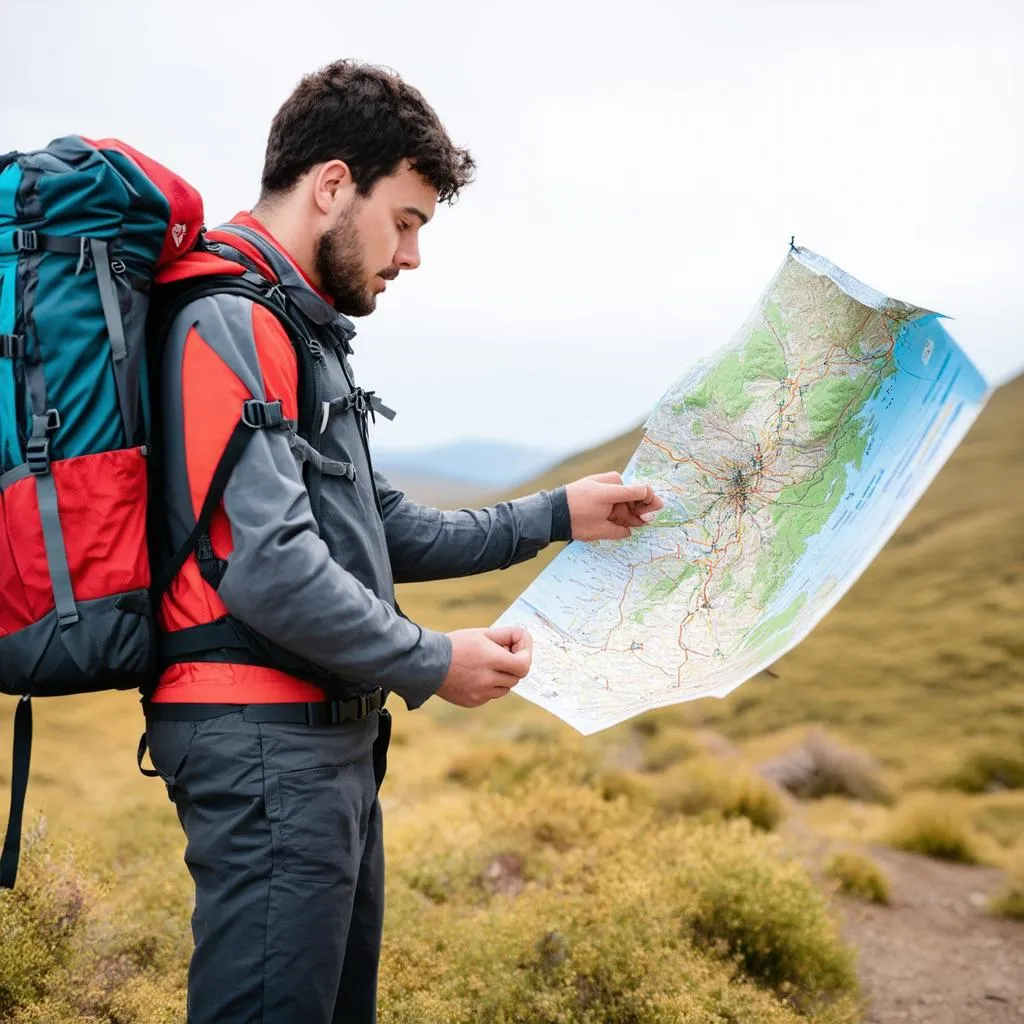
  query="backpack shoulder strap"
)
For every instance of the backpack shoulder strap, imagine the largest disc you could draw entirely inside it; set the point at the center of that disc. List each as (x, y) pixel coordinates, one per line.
(256, 415)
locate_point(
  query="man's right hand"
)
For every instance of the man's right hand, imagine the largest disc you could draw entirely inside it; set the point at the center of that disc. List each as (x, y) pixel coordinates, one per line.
(486, 663)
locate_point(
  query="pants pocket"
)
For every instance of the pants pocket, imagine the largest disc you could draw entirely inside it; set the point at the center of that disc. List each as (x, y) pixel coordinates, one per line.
(318, 820)
(169, 745)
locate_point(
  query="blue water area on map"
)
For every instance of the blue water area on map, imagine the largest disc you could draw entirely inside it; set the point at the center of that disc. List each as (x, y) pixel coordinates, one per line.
(914, 420)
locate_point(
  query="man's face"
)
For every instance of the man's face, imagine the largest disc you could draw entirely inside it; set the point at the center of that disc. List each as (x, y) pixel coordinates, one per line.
(374, 238)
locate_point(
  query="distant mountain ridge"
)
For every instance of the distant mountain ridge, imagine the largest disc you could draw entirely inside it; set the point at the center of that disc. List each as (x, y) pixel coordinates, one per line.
(485, 465)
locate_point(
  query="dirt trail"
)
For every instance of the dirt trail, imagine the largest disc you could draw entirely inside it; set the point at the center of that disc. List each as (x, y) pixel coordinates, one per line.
(935, 956)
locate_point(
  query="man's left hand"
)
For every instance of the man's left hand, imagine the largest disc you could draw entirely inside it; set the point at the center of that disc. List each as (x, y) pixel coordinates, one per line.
(602, 507)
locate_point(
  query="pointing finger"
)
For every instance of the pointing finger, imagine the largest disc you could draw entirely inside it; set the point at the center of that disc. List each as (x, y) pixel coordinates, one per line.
(629, 492)
(607, 478)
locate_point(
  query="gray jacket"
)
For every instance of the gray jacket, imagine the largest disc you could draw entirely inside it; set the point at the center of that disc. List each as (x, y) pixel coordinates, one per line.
(323, 591)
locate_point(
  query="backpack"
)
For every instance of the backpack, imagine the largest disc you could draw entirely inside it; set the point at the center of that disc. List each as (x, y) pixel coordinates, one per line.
(84, 226)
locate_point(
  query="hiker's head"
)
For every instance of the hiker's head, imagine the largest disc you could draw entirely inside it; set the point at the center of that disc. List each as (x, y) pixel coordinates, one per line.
(356, 164)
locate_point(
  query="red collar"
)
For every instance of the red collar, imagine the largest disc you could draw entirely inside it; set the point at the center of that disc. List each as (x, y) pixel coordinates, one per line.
(246, 219)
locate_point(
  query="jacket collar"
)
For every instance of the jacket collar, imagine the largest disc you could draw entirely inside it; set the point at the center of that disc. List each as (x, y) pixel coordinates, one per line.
(300, 290)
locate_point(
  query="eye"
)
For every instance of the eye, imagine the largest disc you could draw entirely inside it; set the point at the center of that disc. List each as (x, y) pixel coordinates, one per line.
(403, 225)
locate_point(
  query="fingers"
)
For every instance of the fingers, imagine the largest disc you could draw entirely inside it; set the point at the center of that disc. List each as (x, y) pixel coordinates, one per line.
(512, 652)
(606, 478)
(525, 643)
(627, 518)
(637, 492)
(508, 637)
(518, 664)
(652, 504)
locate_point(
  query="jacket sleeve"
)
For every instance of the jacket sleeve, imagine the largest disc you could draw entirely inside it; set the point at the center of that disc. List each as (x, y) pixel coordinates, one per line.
(428, 544)
(280, 578)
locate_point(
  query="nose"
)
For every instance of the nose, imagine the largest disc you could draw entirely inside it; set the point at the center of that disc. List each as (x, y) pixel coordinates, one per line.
(408, 255)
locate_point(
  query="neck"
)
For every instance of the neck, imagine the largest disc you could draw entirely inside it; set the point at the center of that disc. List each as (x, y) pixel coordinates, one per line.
(284, 226)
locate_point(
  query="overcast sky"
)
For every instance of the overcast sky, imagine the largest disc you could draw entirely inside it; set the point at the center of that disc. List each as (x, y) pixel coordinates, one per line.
(641, 169)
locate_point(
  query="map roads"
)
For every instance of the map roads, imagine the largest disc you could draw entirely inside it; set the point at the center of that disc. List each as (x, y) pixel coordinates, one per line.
(785, 462)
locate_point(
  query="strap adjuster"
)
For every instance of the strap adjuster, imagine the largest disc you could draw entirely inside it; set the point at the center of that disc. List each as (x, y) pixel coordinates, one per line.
(37, 451)
(37, 455)
(25, 240)
(12, 346)
(258, 415)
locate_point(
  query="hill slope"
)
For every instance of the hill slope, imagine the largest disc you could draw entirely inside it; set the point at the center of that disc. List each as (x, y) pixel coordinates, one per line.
(925, 651)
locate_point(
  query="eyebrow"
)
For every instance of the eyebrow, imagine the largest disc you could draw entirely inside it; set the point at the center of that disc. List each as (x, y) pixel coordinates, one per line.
(416, 212)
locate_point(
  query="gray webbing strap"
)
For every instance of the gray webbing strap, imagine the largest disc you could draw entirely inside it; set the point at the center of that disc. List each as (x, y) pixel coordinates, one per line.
(56, 555)
(12, 476)
(326, 467)
(43, 422)
(115, 328)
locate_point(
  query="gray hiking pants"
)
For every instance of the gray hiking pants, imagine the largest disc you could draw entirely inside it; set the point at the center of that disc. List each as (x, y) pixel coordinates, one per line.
(284, 846)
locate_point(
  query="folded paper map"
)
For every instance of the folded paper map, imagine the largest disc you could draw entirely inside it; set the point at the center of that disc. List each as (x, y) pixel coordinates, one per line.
(785, 461)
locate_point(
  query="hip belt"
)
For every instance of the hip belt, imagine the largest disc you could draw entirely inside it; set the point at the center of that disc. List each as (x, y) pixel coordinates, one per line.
(326, 712)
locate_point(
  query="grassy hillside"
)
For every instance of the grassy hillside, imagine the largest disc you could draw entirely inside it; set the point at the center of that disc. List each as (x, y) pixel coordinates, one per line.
(921, 660)
(643, 874)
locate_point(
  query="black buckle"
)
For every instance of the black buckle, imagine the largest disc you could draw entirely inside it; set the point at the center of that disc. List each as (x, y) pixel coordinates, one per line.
(25, 240)
(12, 346)
(37, 455)
(37, 451)
(257, 415)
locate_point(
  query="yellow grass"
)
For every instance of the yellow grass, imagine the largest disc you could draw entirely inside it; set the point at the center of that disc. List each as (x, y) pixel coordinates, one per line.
(921, 665)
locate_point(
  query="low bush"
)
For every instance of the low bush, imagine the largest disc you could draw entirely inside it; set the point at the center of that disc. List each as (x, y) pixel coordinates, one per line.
(762, 909)
(38, 921)
(990, 770)
(822, 766)
(504, 767)
(1001, 817)
(624, 922)
(856, 874)
(1010, 902)
(709, 788)
(936, 827)
(669, 747)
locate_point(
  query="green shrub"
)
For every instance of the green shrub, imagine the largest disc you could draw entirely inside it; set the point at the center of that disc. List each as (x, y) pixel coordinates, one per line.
(38, 920)
(565, 959)
(1002, 818)
(984, 771)
(858, 875)
(1010, 902)
(936, 827)
(506, 767)
(557, 905)
(748, 902)
(709, 789)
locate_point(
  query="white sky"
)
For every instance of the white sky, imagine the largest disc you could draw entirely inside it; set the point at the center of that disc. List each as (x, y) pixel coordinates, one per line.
(641, 169)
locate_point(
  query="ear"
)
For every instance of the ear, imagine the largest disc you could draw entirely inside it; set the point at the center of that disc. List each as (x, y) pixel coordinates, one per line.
(333, 186)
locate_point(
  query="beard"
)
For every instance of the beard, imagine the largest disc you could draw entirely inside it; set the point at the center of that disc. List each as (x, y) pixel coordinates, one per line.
(339, 266)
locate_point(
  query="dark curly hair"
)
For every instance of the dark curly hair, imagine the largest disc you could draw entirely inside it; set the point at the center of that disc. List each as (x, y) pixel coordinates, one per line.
(371, 119)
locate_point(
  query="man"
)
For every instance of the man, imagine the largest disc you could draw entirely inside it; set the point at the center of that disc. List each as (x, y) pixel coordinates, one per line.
(269, 732)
